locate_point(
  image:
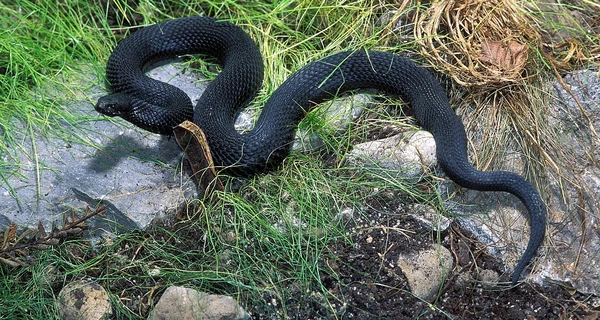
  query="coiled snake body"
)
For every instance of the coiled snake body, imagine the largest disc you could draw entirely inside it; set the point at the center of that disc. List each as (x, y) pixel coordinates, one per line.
(158, 107)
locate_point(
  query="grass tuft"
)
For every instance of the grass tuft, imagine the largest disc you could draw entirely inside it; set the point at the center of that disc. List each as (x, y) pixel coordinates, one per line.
(501, 53)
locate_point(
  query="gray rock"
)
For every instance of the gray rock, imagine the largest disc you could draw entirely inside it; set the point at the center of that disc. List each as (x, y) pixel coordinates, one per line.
(337, 114)
(179, 303)
(497, 219)
(426, 270)
(83, 300)
(573, 200)
(429, 218)
(138, 173)
(400, 155)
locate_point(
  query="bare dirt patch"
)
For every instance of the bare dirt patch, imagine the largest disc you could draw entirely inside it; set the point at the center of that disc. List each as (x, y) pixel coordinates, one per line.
(369, 285)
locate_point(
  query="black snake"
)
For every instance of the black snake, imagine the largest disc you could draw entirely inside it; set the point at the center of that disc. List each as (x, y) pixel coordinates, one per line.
(158, 107)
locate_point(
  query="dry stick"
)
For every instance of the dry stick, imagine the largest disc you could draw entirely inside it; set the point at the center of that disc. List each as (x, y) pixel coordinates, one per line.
(56, 234)
(583, 226)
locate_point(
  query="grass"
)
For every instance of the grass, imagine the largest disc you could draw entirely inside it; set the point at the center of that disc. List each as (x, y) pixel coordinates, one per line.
(267, 240)
(42, 47)
(252, 243)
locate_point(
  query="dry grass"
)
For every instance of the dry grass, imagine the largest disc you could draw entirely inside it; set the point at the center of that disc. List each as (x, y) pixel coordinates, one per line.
(477, 42)
(501, 52)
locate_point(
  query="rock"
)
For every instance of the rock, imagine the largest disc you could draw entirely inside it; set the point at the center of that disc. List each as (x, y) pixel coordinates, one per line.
(426, 270)
(108, 159)
(488, 277)
(404, 154)
(337, 114)
(100, 158)
(575, 199)
(179, 303)
(83, 300)
(429, 218)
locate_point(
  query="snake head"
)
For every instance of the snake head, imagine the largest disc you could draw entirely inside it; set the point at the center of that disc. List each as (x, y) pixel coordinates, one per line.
(116, 104)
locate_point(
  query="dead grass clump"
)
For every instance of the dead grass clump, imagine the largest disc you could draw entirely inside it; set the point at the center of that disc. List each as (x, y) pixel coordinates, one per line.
(492, 49)
(477, 42)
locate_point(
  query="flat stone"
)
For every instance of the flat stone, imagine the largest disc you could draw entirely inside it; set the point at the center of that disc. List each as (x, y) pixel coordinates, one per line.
(179, 303)
(102, 159)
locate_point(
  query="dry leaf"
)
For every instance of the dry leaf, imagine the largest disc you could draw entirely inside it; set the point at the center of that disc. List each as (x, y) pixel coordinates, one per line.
(12, 232)
(41, 231)
(507, 58)
(13, 262)
(193, 141)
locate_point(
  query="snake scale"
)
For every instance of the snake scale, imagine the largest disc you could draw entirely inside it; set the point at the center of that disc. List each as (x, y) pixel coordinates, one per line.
(158, 107)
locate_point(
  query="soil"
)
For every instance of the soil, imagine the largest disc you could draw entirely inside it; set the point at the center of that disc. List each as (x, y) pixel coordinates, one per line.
(363, 279)
(369, 285)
